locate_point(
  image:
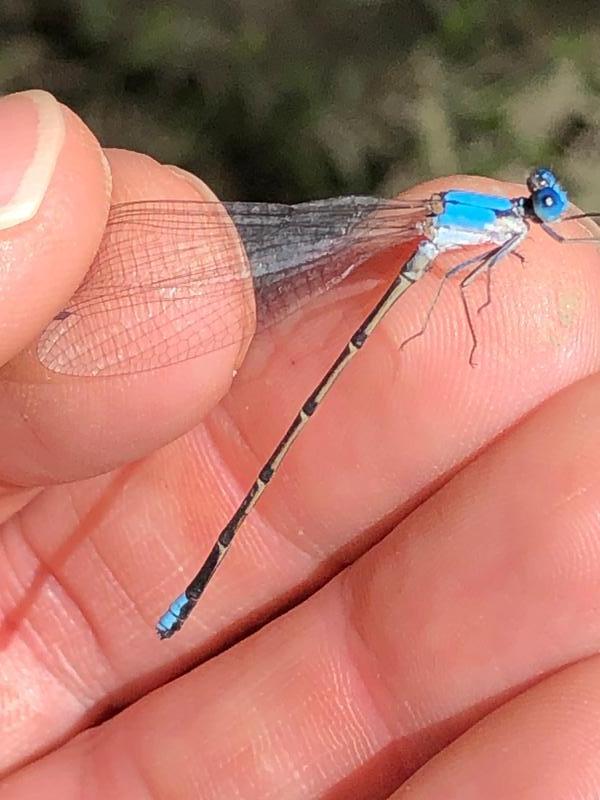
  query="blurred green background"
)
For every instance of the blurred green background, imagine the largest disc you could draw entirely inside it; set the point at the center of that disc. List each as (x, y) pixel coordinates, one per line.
(294, 99)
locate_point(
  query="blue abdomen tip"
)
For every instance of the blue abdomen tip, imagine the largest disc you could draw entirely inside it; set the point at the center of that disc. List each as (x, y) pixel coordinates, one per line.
(172, 618)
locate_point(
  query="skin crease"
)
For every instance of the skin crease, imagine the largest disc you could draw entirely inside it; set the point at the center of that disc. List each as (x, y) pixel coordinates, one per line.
(456, 657)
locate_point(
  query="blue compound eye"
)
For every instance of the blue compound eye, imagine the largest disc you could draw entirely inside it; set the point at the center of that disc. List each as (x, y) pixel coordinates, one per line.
(540, 178)
(549, 204)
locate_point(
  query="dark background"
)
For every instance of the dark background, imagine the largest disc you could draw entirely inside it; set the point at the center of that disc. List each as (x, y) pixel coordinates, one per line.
(294, 99)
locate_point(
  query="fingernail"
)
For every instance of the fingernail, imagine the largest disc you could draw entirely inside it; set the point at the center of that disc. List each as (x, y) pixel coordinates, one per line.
(32, 132)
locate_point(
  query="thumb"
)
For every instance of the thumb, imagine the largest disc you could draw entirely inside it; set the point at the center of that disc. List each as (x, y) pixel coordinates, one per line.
(54, 195)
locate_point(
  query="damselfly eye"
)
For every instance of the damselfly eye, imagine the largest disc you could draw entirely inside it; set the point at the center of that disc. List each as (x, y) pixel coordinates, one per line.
(541, 178)
(549, 204)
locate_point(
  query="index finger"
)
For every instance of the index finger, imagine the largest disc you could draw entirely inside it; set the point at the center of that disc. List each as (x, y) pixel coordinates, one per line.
(61, 427)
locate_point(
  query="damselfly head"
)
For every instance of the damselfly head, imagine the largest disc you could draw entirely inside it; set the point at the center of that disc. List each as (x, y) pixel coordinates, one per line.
(548, 198)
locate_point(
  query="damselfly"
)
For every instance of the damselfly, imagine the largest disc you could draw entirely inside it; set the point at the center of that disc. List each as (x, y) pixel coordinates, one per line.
(136, 309)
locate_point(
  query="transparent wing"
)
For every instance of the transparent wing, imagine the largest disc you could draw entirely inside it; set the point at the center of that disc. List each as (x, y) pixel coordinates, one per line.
(173, 280)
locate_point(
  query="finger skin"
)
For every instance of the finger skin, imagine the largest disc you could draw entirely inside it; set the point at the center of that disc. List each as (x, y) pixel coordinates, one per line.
(481, 595)
(541, 746)
(91, 565)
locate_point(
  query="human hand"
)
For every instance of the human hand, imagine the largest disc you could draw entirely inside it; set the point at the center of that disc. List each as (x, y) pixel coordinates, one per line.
(411, 657)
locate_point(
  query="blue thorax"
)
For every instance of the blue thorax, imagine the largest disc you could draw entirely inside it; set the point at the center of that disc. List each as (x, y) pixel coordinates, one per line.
(547, 202)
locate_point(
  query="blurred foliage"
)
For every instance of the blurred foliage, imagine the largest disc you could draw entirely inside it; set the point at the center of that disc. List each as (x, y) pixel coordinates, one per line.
(294, 99)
